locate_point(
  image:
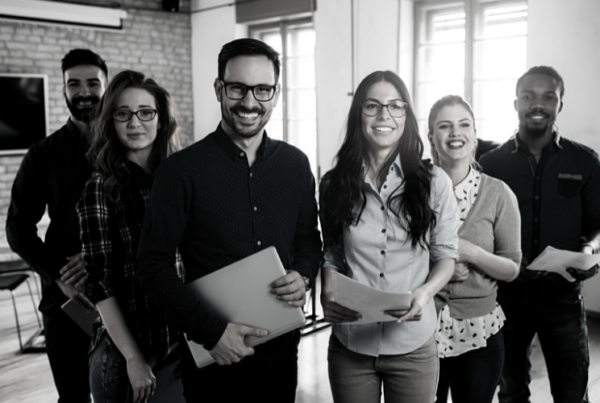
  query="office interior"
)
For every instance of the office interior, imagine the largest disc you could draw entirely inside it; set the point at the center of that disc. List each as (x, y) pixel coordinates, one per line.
(328, 46)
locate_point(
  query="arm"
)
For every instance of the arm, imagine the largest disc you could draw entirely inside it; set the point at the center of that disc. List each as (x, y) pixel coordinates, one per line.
(27, 206)
(143, 381)
(306, 249)
(498, 267)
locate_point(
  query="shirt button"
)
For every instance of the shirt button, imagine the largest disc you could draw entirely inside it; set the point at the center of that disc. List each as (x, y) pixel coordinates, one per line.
(381, 275)
(255, 208)
(383, 230)
(536, 219)
(385, 186)
(537, 178)
(258, 243)
(382, 208)
(242, 154)
(535, 241)
(251, 174)
(383, 252)
(537, 197)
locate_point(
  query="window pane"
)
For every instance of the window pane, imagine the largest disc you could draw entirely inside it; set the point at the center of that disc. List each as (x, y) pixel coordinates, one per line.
(500, 58)
(273, 39)
(301, 41)
(501, 19)
(302, 104)
(494, 110)
(445, 24)
(303, 134)
(442, 62)
(275, 129)
(301, 72)
(431, 92)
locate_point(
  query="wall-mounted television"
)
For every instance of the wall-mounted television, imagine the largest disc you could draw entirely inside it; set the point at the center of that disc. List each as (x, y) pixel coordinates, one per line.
(23, 111)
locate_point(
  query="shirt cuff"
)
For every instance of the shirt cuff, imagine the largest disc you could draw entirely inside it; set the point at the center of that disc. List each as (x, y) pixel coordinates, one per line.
(207, 332)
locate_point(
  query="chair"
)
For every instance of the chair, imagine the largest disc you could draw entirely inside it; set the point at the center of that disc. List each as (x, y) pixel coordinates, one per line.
(10, 282)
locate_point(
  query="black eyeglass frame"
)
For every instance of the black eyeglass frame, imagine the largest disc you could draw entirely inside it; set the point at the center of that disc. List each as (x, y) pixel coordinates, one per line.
(362, 108)
(248, 88)
(131, 113)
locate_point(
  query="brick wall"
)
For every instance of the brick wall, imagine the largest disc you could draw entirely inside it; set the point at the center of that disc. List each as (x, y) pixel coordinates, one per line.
(155, 42)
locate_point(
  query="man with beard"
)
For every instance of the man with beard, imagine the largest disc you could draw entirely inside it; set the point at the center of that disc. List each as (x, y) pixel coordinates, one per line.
(232, 194)
(557, 183)
(52, 175)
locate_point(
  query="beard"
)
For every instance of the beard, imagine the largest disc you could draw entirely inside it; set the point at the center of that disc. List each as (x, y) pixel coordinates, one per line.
(82, 114)
(229, 116)
(536, 130)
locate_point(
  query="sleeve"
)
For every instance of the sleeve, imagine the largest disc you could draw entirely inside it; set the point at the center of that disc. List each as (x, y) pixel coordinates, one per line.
(507, 225)
(95, 212)
(165, 222)
(590, 199)
(444, 237)
(333, 248)
(306, 248)
(27, 206)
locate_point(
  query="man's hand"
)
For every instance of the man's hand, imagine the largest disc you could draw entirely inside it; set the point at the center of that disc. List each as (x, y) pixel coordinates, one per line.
(77, 296)
(461, 272)
(418, 300)
(290, 288)
(231, 347)
(528, 275)
(143, 381)
(581, 275)
(73, 272)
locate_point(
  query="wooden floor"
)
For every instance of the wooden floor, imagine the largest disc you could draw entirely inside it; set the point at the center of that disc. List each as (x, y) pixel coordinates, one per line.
(26, 378)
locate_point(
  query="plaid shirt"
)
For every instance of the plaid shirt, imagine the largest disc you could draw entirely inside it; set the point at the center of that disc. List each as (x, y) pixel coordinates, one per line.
(110, 233)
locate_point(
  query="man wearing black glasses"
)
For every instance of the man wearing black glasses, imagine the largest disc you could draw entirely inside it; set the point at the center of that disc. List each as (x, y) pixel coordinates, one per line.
(232, 194)
(52, 175)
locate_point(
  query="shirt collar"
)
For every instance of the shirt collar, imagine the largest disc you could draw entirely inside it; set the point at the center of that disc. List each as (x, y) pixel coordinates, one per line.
(556, 140)
(233, 151)
(395, 168)
(465, 186)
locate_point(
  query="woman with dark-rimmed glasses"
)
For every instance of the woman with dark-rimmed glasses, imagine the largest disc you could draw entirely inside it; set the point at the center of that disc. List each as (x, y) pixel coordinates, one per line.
(385, 214)
(134, 130)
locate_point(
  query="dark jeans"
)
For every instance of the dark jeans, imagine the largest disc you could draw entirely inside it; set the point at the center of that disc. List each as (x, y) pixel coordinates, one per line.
(559, 321)
(472, 377)
(270, 375)
(67, 347)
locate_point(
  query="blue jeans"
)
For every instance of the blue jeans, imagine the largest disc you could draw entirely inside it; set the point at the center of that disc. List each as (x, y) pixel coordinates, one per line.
(109, 381)
(358, 378)
(559, 321)
(472, 377)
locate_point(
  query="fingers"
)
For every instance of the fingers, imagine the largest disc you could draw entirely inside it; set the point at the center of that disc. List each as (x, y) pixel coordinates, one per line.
(335, 313)
(290, 288)
(414, 313)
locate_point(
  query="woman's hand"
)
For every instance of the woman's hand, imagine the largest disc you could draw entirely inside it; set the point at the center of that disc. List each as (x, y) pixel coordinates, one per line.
(143, 381)
(334, 312)
(461, 272)
(418, 299)
(468, 251)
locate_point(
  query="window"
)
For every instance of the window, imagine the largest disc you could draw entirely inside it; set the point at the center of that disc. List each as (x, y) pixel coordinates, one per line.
(294, 120)
(476, 49)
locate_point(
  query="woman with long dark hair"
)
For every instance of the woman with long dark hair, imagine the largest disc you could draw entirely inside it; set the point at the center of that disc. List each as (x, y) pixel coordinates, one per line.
(469, 339)
(134, 130)
(385, 214)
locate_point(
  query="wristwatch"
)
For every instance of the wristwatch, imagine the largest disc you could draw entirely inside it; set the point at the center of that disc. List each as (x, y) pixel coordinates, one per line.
(306, 282)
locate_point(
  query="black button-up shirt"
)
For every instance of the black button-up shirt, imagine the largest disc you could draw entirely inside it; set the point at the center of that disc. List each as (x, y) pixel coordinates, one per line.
(210, 203)
(559, 195)
(52, 174)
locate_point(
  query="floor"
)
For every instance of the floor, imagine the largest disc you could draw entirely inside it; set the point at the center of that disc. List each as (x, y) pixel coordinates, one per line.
(26, 378)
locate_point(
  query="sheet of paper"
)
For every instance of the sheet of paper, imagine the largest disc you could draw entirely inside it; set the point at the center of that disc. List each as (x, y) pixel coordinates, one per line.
(557, 261)
(368, 301)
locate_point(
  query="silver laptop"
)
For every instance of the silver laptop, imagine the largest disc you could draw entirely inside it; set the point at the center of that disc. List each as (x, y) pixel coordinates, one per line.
(239, 293)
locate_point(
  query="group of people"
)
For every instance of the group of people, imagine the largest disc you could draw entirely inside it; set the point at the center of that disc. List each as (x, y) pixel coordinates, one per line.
(133, 219)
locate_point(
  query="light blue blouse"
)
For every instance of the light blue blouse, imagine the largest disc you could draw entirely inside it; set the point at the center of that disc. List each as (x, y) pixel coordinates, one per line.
(378, 253)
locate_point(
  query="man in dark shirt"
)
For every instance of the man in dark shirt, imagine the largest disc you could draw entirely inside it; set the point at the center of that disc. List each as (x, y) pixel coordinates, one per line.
(557, 183)
(232, 194)
(53, 174)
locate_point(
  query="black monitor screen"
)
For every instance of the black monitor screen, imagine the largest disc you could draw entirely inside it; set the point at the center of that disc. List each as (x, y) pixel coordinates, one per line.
(23, 111)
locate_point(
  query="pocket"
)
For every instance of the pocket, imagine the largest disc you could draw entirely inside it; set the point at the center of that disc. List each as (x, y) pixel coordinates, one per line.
(569, 184)
(335, 346)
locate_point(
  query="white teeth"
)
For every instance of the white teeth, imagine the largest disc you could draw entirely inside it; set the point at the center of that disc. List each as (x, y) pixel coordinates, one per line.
(537, 117)
(383, 129)
(253, 115)
(456, 144)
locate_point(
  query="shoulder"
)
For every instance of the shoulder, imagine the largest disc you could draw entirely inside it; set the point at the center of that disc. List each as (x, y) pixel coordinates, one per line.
(498, 153)
(580, 150)
(288, 152)
(496, 190)
(440, 181)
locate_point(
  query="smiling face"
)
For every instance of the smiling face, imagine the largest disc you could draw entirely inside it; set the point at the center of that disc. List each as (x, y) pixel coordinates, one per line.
(453, 136)
(84, 86)
(137, 136)
(246, 117)
(538, 104)
(383, 131)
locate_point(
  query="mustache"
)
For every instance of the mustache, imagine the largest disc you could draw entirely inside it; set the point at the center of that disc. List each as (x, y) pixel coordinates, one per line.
(242, 109)
(92, 98)
(537, 112)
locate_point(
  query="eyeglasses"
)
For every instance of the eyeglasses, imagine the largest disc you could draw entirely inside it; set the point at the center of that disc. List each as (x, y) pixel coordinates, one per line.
(237, 91)
(143, 115)
(396, 109)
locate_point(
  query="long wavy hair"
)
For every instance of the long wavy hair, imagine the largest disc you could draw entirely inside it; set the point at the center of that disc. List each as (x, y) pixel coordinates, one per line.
(345, 196)
(106, 152)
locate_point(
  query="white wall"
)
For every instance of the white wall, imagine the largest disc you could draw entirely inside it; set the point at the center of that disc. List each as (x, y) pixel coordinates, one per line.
(566, 36)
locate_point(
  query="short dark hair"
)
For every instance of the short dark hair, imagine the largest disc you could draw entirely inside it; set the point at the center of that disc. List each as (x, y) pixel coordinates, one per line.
(78, 57)
(546, 71)
(248, 47)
